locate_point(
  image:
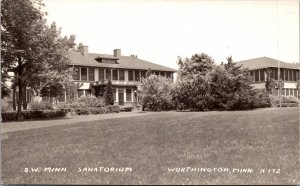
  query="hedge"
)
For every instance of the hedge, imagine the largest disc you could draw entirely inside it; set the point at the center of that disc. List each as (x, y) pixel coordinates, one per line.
(95, 110)
(33, 114)
(126, 109)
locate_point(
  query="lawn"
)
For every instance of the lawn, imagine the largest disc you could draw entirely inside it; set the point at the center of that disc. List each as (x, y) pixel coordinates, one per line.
(153, 144)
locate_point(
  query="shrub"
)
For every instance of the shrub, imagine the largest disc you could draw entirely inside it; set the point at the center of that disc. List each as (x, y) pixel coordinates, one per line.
(91, 101)
(41, 106)
(5, 105)
(286, 101)
(97, 110)
(126, 109)
(33, 114)
(155, 93)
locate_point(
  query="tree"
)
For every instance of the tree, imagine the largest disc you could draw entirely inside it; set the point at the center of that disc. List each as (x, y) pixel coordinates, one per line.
(29, 46)
(155, 93)
(270, 83)
(108, 94)
(148, 73)
(193, 82)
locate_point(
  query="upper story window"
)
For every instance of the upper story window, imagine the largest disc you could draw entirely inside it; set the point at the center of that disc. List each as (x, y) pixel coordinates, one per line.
(121, 75)
(130, 75)
(115, 74)
(83, 74)
(76, 73)
(108, 74)
(256, 76)
(143, 74)
(91, 74)
(262, 75)
(106, 60)
(137, 75)
(101, 74)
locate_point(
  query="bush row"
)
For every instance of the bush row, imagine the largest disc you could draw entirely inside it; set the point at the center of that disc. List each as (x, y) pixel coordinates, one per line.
(33, 114)
(126, 109)
(95, 110)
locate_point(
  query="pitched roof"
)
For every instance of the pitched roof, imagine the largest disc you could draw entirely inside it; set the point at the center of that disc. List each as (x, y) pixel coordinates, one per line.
(266, 62)
(124, 62)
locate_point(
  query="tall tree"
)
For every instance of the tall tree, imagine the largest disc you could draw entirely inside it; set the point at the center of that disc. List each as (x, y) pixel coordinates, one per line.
(30, 47)
(108, 94)
(270, 83)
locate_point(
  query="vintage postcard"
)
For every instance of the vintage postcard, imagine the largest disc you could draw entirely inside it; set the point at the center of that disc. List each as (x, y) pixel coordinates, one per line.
(150, 92)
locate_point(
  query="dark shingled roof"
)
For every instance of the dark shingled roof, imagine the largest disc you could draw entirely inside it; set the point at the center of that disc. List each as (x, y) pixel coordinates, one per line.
(266, 62)
(124, 62)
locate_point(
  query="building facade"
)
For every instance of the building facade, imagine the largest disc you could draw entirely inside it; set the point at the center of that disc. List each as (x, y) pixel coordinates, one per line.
(125, 72)
(261, 67)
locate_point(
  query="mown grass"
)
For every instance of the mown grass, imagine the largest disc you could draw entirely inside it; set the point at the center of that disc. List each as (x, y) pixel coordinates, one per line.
(259, 139)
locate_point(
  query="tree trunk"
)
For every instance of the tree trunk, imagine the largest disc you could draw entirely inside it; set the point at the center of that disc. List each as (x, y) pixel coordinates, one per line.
(14, 97)
(20, 96)
(24, 98)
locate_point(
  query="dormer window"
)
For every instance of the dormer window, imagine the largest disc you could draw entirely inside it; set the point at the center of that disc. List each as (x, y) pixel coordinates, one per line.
(107, 60)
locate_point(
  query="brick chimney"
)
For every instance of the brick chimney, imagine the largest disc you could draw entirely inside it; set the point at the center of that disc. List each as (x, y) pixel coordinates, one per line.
(117, 52)
(84, 49)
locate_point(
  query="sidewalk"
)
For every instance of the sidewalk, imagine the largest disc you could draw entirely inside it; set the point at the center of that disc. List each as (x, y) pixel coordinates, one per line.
(25, 125)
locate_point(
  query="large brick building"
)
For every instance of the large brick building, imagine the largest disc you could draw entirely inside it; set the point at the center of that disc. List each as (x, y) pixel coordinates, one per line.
(288, 73)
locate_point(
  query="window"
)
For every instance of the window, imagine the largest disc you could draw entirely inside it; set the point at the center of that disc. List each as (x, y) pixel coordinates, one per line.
(121, 75)
(101, 74)
(295, 92)
(88, 92)
(297, 75)
(143, 74)
(91, 74)
(137, 75)
(83, 74)
(103, 60)
(286, 75)
(294, 75)
(128, 95)
(275, 73)
(80, 93)
(115, 74)
(168, 75)
(108, 74)
(256, 75)
(262, 75)
(114, 93)
(281, 74)
(290, 75)
(76, 73)
(130, 75)
(287, 92)
(156, 73)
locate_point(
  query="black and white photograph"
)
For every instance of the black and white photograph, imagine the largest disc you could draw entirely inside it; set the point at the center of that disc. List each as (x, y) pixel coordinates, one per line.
(150, 92)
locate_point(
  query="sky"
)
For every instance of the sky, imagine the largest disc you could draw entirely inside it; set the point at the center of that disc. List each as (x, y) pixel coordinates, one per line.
(161, 30)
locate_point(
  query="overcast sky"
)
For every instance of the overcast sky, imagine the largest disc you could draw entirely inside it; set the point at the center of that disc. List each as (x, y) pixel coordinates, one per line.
(159, 31)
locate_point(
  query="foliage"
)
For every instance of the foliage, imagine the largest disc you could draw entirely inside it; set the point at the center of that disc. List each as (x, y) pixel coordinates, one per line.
(270, 83)
(5, 105)
(126, 109)
(32, 114)
(30, 48)
(198, 64)
(91, 101)
(155, 93)
(286, 101)
(202, 86)
(41, 106)
(108, 94)
(97, 110)
(193, 83)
